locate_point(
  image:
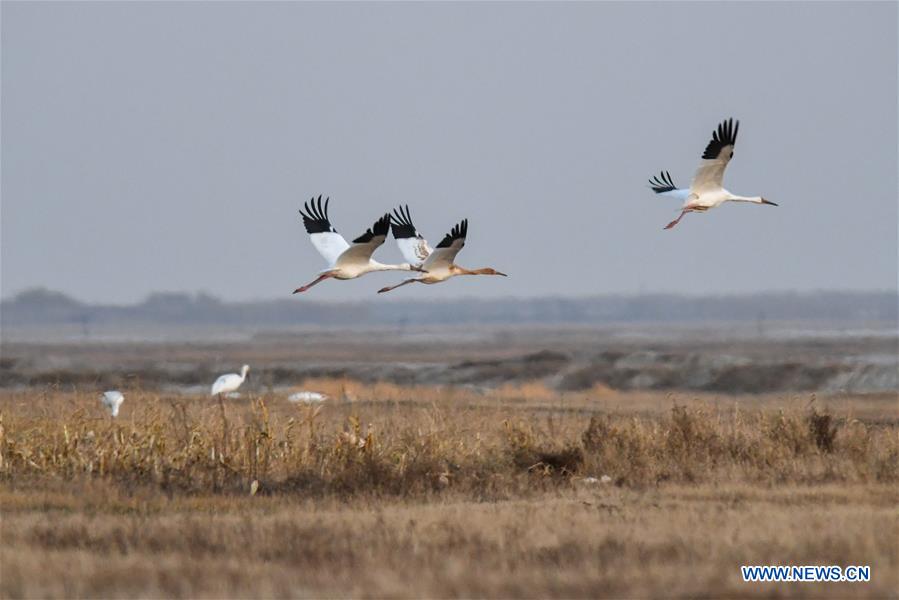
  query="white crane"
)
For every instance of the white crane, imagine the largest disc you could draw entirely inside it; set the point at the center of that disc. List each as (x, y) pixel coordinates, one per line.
(706, 190)
(229, 382)
(345, 261)
(307, 397)
(437, 263)
(112, 400)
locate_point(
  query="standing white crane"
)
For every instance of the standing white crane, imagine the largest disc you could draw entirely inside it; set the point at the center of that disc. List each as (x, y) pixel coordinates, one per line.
(112, 400)
(437, 263)
(229, 382)
(345, 261)
(706, 190)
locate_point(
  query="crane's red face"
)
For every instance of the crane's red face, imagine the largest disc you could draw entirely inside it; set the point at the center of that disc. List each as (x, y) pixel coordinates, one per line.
(769, 202)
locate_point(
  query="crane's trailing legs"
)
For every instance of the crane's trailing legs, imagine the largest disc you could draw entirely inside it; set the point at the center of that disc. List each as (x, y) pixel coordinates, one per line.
(320, 278)
(393, 287)
(677, 220)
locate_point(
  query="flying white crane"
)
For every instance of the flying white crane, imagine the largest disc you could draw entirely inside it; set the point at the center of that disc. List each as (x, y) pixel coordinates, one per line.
(112, 400)
(229, 382)
(345, 261)
(437, 263)
(706, 190)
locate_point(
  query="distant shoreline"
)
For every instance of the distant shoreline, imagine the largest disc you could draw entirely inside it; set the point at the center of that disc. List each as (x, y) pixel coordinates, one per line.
(48, 315)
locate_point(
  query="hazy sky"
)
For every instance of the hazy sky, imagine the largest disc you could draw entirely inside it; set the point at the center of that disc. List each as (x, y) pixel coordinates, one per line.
(168, 146)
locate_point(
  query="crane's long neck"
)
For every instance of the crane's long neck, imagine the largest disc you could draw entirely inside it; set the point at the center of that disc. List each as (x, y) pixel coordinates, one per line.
(374, 265)
(457, 270)
(753, 199)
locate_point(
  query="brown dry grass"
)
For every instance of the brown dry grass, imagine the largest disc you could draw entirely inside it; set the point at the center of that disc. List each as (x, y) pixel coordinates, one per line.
(391, 491)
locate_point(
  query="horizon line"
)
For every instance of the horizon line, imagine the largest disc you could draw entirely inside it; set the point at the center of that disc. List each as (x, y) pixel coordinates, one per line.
(637, 294)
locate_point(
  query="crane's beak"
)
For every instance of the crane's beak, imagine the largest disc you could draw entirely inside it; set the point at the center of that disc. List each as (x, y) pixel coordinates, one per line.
(769, 202)
(503, 274)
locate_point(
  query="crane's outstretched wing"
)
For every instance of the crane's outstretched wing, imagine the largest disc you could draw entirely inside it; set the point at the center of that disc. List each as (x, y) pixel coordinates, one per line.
(663, 185)
(325, 238)
(412, 244)
(710, 174)
(445, 252)
(365, 245)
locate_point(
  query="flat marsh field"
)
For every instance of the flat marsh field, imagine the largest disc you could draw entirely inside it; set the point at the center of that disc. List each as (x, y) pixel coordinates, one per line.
(392, 491)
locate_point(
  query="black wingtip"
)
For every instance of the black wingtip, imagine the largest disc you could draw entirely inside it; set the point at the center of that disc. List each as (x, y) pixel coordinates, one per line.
(724, 135)
(458, 232)
(662, 182)
(401, 223)
(381, 227)
(315, 217)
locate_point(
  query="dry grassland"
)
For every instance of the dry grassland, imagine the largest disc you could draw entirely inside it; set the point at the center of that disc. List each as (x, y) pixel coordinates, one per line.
(388, 491)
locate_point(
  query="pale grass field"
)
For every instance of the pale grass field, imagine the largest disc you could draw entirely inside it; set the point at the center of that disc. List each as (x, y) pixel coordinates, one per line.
(388, 491)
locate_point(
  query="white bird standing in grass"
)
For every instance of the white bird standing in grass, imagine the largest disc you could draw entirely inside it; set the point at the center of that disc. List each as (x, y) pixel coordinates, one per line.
(437, 263)
(307, 397)
(706, 190)
(112, 400)
(229, 382)
(345, 261)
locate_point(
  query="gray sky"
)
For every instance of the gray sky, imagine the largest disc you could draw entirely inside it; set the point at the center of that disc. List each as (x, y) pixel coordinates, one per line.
(162, 146)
